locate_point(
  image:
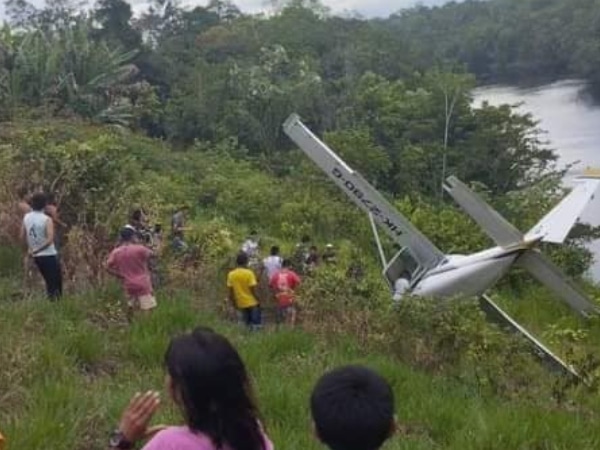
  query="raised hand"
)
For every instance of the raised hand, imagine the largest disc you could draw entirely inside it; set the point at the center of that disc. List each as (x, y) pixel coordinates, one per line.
(137, 416)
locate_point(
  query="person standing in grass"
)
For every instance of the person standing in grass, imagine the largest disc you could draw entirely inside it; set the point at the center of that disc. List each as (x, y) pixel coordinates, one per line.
(38, 232)
(284, 283)
(352, 408)
(241, 284)
(272, 263)
(301, 254)
(251, 247)
(24, 207)
(51, 211)
(178, 228)
(208, 382)
(329, 256)
(312, 260)
(129, 262)
(24, 203)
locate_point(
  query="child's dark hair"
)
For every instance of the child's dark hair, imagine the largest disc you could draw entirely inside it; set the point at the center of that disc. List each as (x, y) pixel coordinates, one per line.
(214, 390)
(353, 409)
(38, 201)
(275, 250)
(136, 215)
(242, 259)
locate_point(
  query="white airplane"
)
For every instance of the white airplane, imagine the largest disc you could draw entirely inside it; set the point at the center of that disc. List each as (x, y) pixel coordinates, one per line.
(437, 275)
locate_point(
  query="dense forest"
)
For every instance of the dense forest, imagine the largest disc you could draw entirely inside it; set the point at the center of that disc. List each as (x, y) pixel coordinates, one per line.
(391, 96)
(212, 73)
(515, 41)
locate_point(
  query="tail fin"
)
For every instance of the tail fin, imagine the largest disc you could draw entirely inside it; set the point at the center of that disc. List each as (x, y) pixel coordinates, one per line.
(557, 224)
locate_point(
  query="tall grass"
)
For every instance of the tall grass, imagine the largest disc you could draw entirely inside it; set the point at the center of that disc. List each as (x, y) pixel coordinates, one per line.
(68, 369)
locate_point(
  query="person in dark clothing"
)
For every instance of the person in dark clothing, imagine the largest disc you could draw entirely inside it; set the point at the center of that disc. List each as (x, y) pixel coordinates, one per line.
(313, 258)
(138, 223)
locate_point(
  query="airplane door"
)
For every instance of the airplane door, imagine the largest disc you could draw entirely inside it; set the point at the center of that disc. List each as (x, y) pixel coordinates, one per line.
(400, 262)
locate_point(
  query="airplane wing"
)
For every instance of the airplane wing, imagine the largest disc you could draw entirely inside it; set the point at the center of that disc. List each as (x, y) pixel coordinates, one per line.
(557, 224)
(364, 195)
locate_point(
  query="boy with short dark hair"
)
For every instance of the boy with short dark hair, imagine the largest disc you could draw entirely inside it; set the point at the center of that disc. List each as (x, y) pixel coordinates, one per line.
(241, 284)
(284, 283)
(353, 409)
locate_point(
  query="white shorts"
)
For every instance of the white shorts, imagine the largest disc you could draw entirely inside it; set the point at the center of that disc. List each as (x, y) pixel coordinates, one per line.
(143, 302)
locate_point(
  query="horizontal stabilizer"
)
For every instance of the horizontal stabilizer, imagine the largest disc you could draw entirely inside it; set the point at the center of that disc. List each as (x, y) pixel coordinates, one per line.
(495, 314)
(550, 275)
(557, 224)
(492, 223)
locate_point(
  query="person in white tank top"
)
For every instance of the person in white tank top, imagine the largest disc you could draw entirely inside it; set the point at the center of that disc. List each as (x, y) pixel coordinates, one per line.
(38, 233)
(273, 262)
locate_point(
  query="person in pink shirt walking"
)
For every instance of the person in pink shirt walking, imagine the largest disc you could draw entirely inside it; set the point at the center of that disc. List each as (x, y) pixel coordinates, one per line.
(129, 263)
(208, 382)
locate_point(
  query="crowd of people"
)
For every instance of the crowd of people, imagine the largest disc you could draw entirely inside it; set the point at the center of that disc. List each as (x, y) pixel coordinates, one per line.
(352, 407)
(282, 277)
(133, 262)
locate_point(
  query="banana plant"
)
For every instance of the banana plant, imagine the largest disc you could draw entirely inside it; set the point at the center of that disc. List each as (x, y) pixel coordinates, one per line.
(66, 69)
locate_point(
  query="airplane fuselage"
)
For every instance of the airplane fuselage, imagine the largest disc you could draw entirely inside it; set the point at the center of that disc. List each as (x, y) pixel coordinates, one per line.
(467, 275)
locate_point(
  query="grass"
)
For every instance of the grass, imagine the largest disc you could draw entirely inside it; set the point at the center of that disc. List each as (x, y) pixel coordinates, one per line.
(68, 369)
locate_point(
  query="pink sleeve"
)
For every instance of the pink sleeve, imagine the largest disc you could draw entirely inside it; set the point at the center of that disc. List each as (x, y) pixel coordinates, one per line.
(161, 441)
(296, 280)
(268, 443)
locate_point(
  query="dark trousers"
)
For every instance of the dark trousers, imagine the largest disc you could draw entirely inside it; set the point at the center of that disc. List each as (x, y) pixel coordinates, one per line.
(252, 317)
(49, 267)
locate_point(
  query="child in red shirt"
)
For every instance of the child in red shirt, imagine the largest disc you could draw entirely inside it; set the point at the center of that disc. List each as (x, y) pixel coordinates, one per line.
(284, 282)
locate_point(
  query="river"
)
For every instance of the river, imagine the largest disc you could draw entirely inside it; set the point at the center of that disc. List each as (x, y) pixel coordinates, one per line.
(572, 123)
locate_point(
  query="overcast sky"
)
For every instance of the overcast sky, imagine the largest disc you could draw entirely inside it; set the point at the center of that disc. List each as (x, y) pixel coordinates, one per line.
(367, 8)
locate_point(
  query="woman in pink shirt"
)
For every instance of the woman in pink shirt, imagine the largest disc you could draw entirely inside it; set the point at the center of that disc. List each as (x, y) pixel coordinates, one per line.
(207, 380)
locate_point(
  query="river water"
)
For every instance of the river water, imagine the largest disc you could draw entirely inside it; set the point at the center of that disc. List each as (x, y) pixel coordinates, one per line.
(571, 122)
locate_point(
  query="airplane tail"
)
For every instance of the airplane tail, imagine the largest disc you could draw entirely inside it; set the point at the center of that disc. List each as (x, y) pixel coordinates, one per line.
(557, 224)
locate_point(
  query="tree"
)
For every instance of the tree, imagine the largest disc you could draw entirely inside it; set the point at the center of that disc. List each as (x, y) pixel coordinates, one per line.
(114, 17)
(453, 88)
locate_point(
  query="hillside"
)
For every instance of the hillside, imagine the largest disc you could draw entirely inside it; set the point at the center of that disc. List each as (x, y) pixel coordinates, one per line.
(68, 370)
(460, 382)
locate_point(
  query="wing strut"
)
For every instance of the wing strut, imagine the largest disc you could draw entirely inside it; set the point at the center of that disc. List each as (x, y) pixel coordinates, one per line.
(495, 314)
